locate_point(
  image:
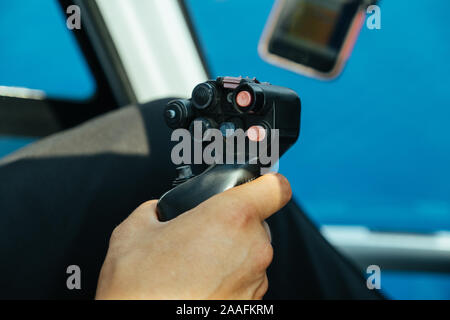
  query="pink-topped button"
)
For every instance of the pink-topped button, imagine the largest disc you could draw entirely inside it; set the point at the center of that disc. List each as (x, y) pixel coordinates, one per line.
(256, 133)
(244, 99)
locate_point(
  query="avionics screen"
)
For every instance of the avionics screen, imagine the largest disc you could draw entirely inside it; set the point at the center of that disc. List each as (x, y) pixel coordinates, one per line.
(313, 31)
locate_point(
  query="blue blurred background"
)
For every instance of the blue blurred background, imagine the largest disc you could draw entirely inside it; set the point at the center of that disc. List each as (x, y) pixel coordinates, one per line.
(38, 52)
(375, 143)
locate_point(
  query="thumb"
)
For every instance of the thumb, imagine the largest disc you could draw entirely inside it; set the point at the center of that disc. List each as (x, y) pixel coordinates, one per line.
(145, 214)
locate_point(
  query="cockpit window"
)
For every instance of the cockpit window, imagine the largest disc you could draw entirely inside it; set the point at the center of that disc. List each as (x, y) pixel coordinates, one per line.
(39, 55)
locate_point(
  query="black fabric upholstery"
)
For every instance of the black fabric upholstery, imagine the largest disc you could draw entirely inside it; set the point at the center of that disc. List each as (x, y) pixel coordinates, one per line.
(61, 198)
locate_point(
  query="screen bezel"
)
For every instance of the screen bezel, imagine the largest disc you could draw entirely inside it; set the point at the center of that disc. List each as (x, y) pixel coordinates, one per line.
(282, 60)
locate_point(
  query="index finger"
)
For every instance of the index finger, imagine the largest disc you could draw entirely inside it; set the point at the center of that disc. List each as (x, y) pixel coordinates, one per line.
(262, 197)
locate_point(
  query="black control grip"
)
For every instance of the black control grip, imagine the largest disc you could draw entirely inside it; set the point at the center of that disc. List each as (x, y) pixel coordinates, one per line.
(215, 180)
(229, 103)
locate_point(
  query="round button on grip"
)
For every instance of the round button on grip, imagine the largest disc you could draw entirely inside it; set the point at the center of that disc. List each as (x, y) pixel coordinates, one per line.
(204, 96)
(244, 99)
(178, 114)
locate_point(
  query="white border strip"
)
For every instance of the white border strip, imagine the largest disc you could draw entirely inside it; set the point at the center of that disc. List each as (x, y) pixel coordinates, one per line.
(155, 45)
(23, 93)
(360, 237)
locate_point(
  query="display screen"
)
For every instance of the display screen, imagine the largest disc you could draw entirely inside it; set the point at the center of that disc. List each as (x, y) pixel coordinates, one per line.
(312, 32)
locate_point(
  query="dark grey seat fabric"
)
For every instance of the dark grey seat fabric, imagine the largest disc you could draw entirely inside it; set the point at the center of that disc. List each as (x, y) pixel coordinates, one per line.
(61, 198)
